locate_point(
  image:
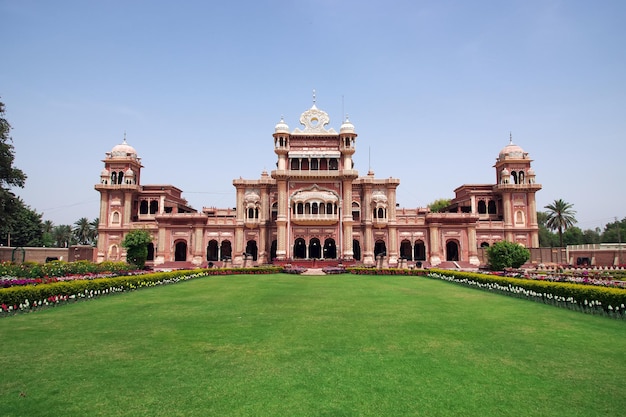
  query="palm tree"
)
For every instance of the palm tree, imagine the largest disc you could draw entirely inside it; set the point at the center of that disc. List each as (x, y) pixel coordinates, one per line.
(62, 236)
(82, 231)
(560, 217)
(94, 230)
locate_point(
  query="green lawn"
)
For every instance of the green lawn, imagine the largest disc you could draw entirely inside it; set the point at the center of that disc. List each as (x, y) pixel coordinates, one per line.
(287, 345)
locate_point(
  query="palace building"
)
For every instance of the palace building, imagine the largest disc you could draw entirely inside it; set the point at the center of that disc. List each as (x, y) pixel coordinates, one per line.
(315, 206)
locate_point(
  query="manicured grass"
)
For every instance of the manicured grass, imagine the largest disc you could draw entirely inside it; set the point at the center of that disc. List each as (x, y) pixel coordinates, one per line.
(286, 345)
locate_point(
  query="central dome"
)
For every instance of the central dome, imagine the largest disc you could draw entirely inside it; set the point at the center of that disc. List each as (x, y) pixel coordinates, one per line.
(123, 150)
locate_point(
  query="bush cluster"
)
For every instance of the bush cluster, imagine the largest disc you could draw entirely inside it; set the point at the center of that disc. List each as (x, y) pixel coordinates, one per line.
(61, 268)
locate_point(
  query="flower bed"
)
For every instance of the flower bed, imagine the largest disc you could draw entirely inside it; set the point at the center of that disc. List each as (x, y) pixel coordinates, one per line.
(32, 296)
(587, 298)
(386, 271)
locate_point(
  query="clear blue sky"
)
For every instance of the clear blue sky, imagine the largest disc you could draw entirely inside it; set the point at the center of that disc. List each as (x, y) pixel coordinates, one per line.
(432, 87)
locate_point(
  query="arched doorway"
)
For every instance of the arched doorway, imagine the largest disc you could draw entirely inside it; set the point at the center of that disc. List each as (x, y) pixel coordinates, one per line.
(452, 250)
(251, 249)
(330, 249)
(212, 251)
(406, 251)
(380, 248)
(356, 249)
(150, 252)
(315, 248)
(226, 250)
(419, 251)
(299, 249)
(273, 249)
(180, 253)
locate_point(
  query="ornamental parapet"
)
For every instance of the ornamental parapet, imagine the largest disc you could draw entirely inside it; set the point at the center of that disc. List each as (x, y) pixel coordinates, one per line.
(315, 219)
(517, 187)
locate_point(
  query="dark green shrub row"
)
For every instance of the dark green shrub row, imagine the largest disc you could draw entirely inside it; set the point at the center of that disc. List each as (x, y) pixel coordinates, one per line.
(580, 294)
(386, 271)
(61, 268)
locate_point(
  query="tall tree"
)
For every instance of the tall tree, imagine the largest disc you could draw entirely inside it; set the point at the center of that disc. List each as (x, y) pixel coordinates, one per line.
(561, 215)
(62, 236)
(439, 205)
(82, 231)
(9, 175)
(23, 227)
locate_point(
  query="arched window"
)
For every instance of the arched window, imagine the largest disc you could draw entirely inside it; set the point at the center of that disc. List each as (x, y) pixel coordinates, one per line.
(211, 251)
(333, 164)
(484, 245)
(514, 176)
(226, 250)
(329, 208)
(273, 249)
(180, 252)
(251, 249)
(304, 165)
(356, 249)
(356, 211)
(113, 177)
(295, 164)
(115, 217)
(482, 207)
(452, 251)
(307, 208)
(143, 207)
(315, 249)
(315, 163)
(154, 207)
(380, 248)
(250, 213)
(314, 208)
(491, 207)
(520, 177)
(330, 249)
(274, 211)
(300, 208)
(381, 213)
(299, 248)
(406, 251)
(150, 252)
(419, 251)
(120, 177)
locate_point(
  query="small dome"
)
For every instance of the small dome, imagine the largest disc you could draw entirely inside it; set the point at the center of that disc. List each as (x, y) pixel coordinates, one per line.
(123, 150)
(505, 172)
(281, 127)
(512, 151)
(104, 173)
(346, 126)
(129, 173)
(531, 172)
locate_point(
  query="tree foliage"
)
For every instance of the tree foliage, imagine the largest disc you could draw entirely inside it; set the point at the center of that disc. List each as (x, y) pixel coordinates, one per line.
(439, 205)
(505, 254)
(136, 244)
(561, 215)
(9, 175)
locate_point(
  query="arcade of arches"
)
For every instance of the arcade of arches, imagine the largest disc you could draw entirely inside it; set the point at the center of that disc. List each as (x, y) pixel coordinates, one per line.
(315, 206)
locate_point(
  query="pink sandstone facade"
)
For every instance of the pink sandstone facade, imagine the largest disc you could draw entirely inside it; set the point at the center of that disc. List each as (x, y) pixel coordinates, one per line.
(315, 205)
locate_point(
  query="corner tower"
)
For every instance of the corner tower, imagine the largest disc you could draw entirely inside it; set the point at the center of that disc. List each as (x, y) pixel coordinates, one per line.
(516, 188)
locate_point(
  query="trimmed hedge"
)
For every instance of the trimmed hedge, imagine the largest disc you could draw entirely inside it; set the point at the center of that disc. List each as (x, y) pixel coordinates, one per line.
(607, 298)
(27, 297)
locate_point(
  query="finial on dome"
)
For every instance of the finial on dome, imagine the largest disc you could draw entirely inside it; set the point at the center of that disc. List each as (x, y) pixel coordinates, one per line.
(314, 98)
(124, 137)
(510, 138)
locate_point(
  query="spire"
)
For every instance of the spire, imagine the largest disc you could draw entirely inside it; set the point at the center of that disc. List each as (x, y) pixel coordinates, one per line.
(125, 138)
(510, 138)
(314, 98)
